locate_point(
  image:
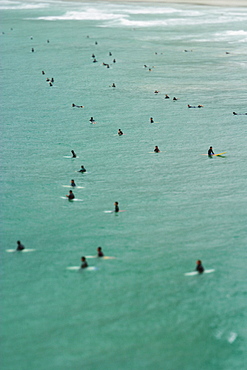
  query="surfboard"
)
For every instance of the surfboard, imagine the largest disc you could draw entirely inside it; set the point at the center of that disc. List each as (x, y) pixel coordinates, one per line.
(23, 250)
(193, 273)
(78, 268)
(219, 154)
(69, 156)
(161, 151)
(122, 210)
(215, 155)
(73, 187)
(74, 200)
(102, 258)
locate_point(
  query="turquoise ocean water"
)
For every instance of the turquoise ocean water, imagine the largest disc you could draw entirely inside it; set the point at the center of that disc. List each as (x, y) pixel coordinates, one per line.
(138, 311)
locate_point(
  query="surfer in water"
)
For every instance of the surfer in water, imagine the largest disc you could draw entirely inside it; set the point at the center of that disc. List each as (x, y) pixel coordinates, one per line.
(99, 252)
(73, 154)
(116, 207)
(83, 169)
(72, 183)
(199, 267)
(92, 120)
(83, 263)
(71, 195)
(156, 149)
(20, 246)
(210, 151)
(151, 120)
(120, 132)
(78, 106)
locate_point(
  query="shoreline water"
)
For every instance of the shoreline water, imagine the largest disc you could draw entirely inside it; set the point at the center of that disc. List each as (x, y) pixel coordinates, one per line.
(215, 3)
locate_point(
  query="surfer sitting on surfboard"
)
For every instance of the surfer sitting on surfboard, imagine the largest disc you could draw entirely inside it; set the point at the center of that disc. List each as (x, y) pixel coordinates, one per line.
(210, 151)
(100, 253)
(20, 247)
(73, 154)
(72, 183)
(156, 149)
(199, 267)
(116, 207)
(120, 132)
(84, 263)
(71, 195)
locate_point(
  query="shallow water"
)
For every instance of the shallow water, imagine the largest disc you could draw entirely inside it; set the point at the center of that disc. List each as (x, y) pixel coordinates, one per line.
(138, 311)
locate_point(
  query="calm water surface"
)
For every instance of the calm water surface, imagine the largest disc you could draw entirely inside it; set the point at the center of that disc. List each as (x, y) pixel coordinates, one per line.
(138, 311)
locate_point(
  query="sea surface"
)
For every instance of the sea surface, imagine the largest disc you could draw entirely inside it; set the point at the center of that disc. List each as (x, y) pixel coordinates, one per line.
(137, 311)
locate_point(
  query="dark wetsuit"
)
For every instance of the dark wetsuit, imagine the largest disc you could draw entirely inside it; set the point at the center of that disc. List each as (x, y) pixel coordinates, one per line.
(71, 196)
(116, 208)
(210, 152)
(100, 254)
(82, 170)
(20, 247)
(84, 265)
(200, 268)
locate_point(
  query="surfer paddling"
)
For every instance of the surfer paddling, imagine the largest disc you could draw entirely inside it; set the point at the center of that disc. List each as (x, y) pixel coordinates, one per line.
(199, 267)
(84, 263)
(20, 246)
(77, 106)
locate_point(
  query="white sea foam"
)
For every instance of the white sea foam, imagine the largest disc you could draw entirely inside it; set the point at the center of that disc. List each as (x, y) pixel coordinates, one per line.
(17, 5)
(232, 337)
(91, 14)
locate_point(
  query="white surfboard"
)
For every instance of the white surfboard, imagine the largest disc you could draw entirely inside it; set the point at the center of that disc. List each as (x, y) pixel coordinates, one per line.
(161, 151)
(122, 210)
(193, 273)
(23, 250)
(69, 156)
(102, 258)
(73, 200)
(73, 187)
(78, 268)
